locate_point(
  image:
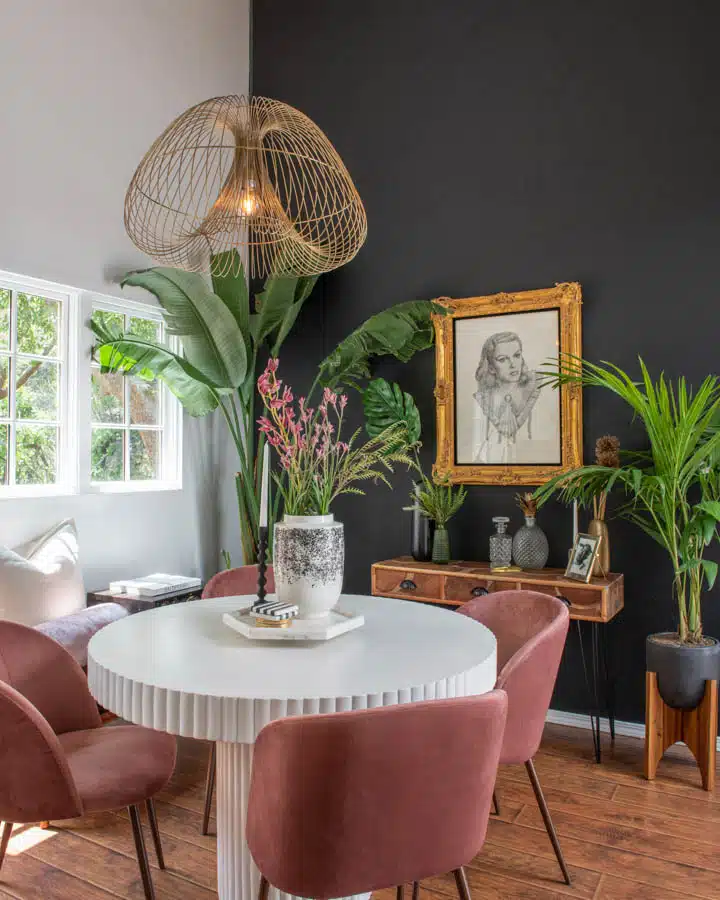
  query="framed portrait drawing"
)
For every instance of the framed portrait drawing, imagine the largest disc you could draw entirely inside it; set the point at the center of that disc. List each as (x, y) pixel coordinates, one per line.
(497, 423)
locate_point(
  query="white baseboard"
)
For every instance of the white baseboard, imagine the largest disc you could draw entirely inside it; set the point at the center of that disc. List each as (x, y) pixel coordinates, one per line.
(578, 720)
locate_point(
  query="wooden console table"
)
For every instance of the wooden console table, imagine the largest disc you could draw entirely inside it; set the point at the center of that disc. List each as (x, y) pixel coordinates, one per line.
(597, 603)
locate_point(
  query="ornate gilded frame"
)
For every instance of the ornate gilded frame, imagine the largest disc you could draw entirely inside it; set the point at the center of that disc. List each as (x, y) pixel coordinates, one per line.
(566, 298)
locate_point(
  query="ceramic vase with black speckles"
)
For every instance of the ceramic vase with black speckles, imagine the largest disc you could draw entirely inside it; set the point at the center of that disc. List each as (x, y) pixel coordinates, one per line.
(308, 562)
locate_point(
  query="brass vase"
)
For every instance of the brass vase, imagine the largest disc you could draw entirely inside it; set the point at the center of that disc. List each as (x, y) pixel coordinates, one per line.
(598, 528)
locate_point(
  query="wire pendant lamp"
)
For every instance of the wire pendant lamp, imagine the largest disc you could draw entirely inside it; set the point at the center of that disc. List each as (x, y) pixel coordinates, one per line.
(250, 174)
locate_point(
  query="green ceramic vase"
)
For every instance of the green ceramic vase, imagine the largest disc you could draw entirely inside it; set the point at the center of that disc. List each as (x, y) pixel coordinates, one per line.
(441, 546)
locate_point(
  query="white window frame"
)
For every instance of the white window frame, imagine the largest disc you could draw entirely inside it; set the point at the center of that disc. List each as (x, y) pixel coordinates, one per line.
(67, 446)
(171, 461)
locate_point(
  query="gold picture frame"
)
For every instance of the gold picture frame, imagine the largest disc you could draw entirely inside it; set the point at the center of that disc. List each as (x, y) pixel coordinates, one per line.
(465, 320)
(581, 569)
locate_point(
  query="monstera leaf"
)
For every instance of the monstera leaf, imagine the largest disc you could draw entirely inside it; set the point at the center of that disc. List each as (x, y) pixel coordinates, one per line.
(400, 331)
(386, 405)
(211, 337)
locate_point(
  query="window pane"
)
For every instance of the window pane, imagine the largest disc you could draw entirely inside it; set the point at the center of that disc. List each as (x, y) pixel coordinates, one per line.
(35, 454)
(4, 386)
(38, 325)
(144, 455)
(108, 397)
(107, 454)
(144, 407)
(113, 320)
(4, 319)
(36, 395)
(3, 454)
(145, 328)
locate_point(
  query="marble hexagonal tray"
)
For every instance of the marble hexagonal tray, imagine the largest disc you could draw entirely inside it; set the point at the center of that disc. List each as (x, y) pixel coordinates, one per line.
(337, 622)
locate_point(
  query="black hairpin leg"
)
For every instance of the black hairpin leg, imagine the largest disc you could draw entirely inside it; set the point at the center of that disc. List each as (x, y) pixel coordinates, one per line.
(592, 689)
(598, 679)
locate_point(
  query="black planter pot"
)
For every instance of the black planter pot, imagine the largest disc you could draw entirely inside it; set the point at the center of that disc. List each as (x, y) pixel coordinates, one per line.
(682, 671)
(423, 531)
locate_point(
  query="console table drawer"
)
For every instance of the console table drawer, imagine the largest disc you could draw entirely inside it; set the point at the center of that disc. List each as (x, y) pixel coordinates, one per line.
(411, 583)
(460, 589)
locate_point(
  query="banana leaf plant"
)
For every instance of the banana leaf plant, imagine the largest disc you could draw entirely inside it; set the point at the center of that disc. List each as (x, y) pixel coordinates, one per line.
(224, 337)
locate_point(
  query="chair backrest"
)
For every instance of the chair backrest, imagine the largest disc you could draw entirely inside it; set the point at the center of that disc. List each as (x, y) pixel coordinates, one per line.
(352, 802)
(47, 675)
(530, 629)
(35, 779)
(242, 580)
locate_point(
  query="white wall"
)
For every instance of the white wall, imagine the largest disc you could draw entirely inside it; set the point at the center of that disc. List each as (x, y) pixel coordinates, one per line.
(85, 87)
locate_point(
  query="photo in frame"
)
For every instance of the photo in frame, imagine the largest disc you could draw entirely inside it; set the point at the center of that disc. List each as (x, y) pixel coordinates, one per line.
(583, 556)
(497, 421)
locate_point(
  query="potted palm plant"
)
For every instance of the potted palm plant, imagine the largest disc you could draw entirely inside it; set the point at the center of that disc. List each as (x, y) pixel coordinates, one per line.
(672, 492)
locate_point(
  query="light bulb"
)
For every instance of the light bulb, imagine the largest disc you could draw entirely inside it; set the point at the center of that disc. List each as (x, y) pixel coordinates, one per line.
(249, 202)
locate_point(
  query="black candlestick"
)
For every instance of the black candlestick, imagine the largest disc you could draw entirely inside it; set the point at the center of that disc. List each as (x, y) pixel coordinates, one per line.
(262, 562)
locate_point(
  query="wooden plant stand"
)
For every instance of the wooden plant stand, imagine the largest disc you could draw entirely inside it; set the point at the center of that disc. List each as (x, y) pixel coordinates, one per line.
(665, 726)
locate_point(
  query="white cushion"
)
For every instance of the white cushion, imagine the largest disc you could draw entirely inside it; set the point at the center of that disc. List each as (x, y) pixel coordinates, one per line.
(41, 580)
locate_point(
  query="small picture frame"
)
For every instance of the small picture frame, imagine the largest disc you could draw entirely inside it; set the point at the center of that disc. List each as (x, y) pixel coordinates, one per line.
(582, 557)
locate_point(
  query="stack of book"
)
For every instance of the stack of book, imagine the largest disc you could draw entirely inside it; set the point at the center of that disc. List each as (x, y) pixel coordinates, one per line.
(157, 585)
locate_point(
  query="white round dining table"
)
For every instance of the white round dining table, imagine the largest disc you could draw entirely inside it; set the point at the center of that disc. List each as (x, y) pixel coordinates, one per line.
(180, 669)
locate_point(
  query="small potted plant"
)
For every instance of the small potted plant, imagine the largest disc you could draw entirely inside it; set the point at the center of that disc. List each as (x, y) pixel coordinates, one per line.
(439, 501)
(316, 467)
(672, 492)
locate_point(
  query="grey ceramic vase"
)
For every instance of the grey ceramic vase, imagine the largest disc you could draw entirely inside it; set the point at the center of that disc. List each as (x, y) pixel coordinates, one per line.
(530, 546)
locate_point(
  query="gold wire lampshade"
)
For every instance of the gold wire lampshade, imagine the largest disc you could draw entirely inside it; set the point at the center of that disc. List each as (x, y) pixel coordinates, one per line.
(252, 174)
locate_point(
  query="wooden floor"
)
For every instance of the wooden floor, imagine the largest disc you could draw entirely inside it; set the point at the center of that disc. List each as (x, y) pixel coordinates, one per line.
(624, 838)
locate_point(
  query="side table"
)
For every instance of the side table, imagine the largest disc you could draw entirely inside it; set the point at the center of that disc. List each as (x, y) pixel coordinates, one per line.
(597, 603)
(139, 604)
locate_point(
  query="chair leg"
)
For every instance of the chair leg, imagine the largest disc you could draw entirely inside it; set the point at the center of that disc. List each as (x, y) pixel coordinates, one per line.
(209, 789)
(461, 881)
(264, 888)
(416, 890)
(549, 827)
(496, 804)
(400, 892)
(152, 819)
(142, 856)
(5, 840)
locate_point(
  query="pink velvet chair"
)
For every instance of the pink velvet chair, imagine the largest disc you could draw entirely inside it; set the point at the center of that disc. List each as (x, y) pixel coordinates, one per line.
(56, 761)
(352, 802)
(229, 583)
(530, 629)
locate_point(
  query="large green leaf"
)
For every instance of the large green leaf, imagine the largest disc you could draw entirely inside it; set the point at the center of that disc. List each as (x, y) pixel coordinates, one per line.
(133, 356)
(272, 305)
(303, 289)
(230, 284)
(211, 337)
(400, 331)
(386, 405)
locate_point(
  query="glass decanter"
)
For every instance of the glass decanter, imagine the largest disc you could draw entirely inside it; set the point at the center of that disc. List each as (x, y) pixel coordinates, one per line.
(500, 544)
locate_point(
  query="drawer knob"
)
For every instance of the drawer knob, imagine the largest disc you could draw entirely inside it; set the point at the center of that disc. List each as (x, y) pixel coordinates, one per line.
(408, 584)
(479, 592)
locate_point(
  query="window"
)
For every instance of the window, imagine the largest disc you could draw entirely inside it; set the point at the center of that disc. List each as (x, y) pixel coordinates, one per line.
(66, 427)
(133, 420)
(35, 442)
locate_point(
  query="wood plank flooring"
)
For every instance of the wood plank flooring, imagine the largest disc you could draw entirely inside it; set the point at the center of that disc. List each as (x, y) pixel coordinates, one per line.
(624, 838)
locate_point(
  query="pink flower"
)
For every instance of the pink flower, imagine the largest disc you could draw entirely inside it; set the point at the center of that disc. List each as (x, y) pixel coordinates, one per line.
(329, 397)
(272, 365)
(343, 401)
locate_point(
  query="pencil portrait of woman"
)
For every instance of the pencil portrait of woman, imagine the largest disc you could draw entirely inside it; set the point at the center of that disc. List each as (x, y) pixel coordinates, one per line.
(506, 393)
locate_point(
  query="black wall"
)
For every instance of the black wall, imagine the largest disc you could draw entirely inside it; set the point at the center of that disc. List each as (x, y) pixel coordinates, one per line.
(508, 146)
